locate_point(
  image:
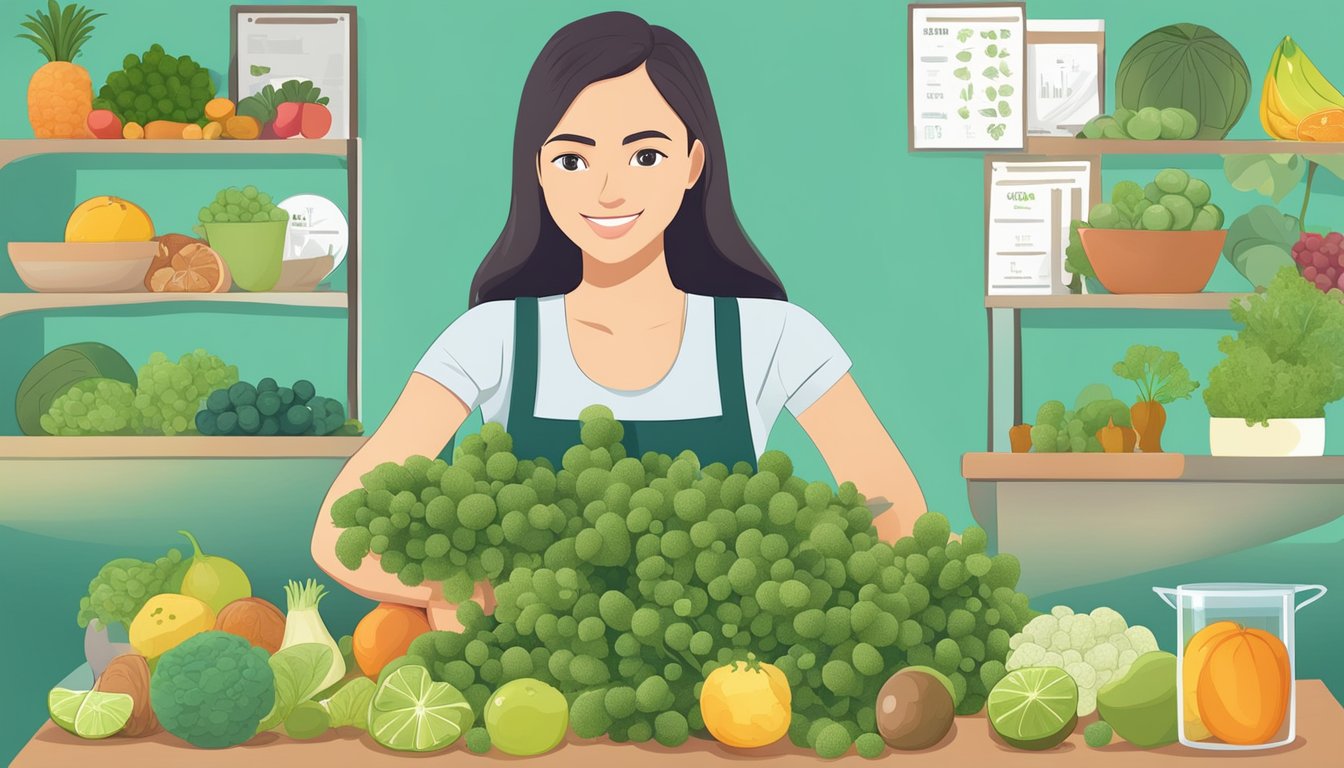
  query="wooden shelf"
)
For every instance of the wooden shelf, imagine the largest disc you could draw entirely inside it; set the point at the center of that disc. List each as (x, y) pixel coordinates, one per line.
(16, 149)
(13, 303)
(1169, 301)
(179, 447)
(1068, 146)
(1069, 467)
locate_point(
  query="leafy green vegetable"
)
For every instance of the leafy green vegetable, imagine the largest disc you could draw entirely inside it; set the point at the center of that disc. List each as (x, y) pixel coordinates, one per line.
(1273, 176)
(212, 689)
(1158, 373)
(1075, 431)
(258, 70)
(350, 704)
(1075, 258)
(260, 105)
(1260, 243)
(157, 86)
(299, 671)
(124, 585)
(1287, 361)
(1128, 198)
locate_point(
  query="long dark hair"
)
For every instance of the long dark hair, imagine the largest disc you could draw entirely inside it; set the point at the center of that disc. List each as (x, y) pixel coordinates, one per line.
(707, 251)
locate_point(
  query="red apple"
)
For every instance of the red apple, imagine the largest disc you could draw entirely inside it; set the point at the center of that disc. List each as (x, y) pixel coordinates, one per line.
(316, 121)
(288, 119)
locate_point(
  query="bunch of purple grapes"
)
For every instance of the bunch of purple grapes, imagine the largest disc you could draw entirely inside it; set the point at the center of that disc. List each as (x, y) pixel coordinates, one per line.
(1320, 259)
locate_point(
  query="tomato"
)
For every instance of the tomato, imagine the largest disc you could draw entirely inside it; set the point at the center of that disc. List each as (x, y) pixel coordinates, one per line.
(746, 704)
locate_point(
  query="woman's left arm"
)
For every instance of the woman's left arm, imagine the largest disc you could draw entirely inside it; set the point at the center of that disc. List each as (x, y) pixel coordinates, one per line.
(858, 449)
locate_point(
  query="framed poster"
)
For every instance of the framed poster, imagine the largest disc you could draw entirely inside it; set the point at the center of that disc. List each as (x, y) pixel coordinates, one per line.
(1030, 205)
(270, 44)
(965, 76)
(1066, 64)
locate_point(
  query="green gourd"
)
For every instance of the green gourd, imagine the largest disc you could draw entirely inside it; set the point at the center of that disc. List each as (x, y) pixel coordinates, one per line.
(215, 581)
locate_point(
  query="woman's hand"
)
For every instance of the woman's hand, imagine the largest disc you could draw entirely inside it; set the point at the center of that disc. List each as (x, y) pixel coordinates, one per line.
(443, 615)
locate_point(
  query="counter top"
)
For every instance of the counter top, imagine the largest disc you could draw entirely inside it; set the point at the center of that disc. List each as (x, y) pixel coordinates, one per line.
(1320, 741)
(1009, 467)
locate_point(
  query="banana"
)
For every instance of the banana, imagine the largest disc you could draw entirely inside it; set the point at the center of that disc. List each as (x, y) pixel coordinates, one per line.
(1294, 89)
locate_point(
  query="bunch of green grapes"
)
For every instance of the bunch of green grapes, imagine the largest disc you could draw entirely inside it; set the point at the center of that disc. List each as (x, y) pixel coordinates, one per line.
(157, 86)
(124, 585)
(270, 409)
(246, 204)
(169, 394)
(627, 581)
(94, 407)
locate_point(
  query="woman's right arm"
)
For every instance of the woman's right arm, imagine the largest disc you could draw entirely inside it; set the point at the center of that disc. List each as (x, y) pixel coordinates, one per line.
(421, 422)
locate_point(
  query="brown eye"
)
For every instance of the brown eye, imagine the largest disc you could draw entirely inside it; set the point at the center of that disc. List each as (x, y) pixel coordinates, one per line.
(647, 158)
(570, 162)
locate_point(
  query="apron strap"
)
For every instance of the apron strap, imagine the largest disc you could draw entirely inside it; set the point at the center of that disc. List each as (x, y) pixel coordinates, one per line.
(523, 395)
(728, 351)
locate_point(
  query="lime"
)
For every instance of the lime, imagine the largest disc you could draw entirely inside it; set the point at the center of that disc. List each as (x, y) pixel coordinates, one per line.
(103, 714)
(1034, 708)
(412, 713)
(526, 717)
(63, 705)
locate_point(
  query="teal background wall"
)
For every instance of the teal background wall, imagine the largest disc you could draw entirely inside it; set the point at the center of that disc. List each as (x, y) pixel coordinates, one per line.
(884, 246)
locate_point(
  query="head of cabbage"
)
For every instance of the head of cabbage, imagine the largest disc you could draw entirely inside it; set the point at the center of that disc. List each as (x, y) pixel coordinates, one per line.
(1187, 66)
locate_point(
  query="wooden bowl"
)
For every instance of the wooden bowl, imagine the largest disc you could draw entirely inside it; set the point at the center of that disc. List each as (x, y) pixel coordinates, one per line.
(83, 267)
(1144, 261)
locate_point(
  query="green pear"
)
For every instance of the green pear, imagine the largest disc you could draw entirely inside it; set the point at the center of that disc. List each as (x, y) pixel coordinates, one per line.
(1141, 705)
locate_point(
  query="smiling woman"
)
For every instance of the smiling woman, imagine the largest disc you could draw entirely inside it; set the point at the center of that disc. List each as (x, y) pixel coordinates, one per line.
(622, 277)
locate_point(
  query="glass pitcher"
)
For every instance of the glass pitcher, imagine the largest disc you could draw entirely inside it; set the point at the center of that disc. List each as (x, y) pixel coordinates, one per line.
(1235, 661)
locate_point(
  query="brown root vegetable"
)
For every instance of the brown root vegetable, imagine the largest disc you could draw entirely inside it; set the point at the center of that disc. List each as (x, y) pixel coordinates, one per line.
(165, 129)
(255, 620)
(914, 710)
(242, 127)
(129, 674)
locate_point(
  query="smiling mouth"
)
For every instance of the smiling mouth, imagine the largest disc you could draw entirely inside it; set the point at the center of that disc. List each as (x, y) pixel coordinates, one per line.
(611, 226)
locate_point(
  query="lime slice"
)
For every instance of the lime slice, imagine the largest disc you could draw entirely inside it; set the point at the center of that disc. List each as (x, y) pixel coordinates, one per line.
(1034, 708)
(63, 705)
(103, 714)
(412, 713)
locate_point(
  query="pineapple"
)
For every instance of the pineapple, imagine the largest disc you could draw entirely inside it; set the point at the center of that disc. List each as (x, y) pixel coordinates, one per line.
(60, 94)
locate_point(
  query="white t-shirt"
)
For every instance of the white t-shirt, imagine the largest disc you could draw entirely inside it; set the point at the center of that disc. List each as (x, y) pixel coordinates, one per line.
(789, 359)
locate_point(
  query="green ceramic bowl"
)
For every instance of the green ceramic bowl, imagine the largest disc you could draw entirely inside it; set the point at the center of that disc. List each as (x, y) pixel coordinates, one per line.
(252, 249)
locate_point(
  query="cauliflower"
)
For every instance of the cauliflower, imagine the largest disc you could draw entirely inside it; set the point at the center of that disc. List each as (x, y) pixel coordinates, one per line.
(212, 690)
(1093, 648)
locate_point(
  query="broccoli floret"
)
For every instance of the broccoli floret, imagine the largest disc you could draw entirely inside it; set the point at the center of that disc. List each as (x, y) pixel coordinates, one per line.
(352, 546)
(671, 729)
(1045, 438)
(1098, 413)
(588, 716)
(478, 740)
(777, 463)
(832, 741)
(1098, 734)
(213, 690)
(1051, 412)
(870, 745)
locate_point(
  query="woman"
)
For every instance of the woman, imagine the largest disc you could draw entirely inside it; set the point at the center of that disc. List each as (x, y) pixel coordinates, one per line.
(623, 277)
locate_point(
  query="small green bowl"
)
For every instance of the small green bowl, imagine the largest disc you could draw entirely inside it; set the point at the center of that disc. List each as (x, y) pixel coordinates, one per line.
(253, 250)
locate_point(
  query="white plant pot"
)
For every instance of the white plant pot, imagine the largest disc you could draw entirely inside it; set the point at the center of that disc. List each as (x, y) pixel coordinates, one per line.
(1282, 437)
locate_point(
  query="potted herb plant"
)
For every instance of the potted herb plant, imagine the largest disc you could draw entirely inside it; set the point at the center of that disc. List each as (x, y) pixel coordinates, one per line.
(1267, 397)
(1161, 380)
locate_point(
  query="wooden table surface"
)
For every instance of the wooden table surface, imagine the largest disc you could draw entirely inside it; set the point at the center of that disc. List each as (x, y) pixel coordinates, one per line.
(1320, 743)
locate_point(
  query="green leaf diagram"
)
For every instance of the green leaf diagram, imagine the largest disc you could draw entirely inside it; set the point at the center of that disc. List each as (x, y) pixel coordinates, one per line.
(1005, 90)
(964, 112)
(989, 112)
(968, 92)
(991, 93)
(1004, 109)
(997, 130)
(991, 50)
(964, 35)
(991, 72)
(990, 35)
(1005, 33)
(1003, 67)
(961, 73)
(964, 56)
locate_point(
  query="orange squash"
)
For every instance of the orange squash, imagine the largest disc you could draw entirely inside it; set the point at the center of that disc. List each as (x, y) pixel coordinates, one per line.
(385, 634)
(1193, 661)
(1149, 417)
(1325, 125)
(1019, 437)
(1245, 681)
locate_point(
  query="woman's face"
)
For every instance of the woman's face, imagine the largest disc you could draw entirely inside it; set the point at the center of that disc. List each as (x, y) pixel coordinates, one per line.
(615, 168)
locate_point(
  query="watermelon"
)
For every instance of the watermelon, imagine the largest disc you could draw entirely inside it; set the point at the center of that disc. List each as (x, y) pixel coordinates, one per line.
(1186, 66)
(61, 369)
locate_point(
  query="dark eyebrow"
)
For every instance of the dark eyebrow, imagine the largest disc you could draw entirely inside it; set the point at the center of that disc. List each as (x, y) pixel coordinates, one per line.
(632, 138)
(572, 137)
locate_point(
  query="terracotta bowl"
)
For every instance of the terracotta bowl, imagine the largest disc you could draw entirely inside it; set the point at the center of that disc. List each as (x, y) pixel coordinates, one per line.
(83, 267)
(1143, 261)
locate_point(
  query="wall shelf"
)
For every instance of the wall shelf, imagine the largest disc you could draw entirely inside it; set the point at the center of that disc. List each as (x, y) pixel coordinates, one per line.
(17, 149)
(177, 447)
(14, 303)
(1153, 301)
(1051, 146)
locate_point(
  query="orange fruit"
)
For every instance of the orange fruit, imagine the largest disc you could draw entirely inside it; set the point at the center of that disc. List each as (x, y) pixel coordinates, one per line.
(108, 219)
(385, 634)
(193, 267)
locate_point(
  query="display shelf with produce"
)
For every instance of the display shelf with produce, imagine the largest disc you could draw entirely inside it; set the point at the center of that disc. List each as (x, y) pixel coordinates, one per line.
(177, 447)
(1206, 301)
(1055, 146)
(18, 149)
(14, 303)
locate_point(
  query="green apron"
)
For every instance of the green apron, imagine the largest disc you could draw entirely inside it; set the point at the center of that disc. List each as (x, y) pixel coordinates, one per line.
(725, 438)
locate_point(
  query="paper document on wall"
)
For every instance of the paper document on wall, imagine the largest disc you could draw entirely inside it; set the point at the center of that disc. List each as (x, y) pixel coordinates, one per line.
(1030, 207)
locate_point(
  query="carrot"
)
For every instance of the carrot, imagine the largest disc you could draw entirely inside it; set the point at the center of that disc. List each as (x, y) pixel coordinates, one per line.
(218, 110)
(242, 127)
(1149, 418)
(212, 131)
(132, 131)
(165, 129)
(192, 131)
(1019, 437)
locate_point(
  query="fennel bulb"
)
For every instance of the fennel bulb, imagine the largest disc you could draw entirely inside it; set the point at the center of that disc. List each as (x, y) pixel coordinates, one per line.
(303, 624)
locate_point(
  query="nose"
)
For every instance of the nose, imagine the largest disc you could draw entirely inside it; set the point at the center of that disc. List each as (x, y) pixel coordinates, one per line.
(609, 196)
